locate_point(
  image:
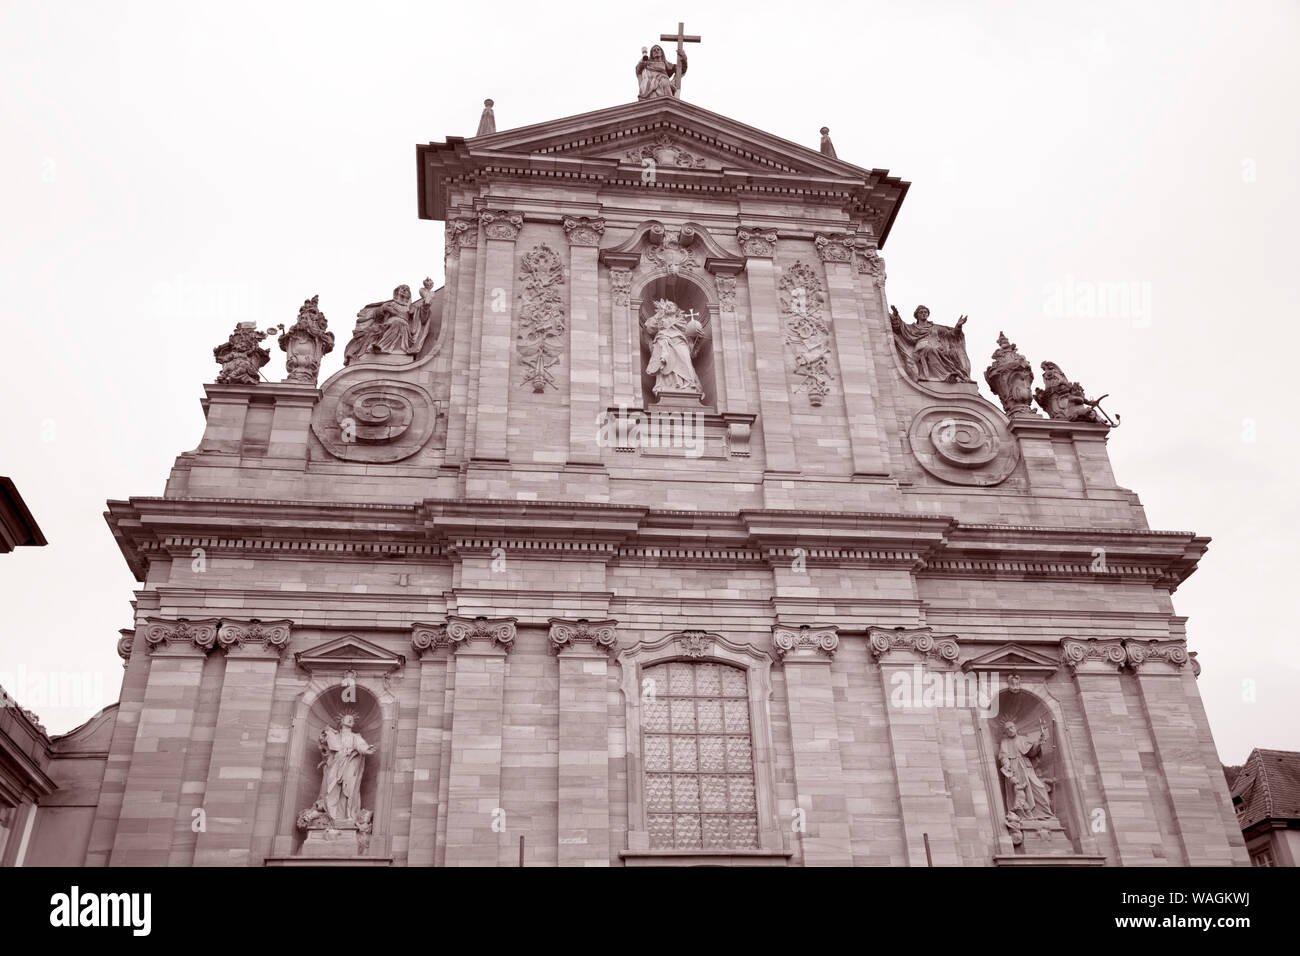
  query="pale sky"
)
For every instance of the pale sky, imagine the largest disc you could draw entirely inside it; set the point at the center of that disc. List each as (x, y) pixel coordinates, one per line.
(170, 169)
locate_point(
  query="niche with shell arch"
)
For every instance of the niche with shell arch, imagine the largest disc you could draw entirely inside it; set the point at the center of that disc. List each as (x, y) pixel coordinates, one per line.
(689, 296)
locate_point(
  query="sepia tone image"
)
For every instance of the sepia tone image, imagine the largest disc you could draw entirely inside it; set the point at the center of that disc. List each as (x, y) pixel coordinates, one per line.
(618, 501)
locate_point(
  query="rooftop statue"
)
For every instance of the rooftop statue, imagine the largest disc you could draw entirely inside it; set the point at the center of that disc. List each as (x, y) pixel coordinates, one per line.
(1065, 400)
(396, 327)
(1011, 378)
(931, 352)
(242, 356)
(655, 75)
(305, 343)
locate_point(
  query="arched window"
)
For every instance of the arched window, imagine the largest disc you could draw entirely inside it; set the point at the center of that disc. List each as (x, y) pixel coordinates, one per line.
(699, 757)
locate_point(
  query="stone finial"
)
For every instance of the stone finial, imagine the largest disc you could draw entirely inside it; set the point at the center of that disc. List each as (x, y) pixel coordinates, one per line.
(828, 148)
(241, 357)
(305, 343)
(1011, 378)
(487, 123)
(1065, 400)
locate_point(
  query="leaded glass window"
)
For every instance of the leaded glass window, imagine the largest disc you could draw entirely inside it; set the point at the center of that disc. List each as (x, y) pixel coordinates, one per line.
(699, 757)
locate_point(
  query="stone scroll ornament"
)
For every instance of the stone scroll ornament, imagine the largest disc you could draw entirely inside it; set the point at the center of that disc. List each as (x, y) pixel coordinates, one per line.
(1011, 378)
(305, 343)
(807, 331)
(540, 340)
(931, 352)
(396, 327)
(1065, 400)
(241, 356)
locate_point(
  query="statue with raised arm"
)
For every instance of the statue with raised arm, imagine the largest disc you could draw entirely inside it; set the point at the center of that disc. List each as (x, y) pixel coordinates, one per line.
(931, 352)
(656, 76)
(343, 753)
(674, 339)
(395, 327)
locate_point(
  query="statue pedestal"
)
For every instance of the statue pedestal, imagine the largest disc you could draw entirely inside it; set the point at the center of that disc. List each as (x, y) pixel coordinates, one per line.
(342, 841)
(1044, 838)
(677, 400)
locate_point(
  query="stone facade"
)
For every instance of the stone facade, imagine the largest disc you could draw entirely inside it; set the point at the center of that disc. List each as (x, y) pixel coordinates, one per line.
(585, 623)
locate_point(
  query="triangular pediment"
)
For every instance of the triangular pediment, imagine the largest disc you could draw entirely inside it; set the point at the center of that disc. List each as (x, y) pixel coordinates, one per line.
(690, 146)
(350, 652)
(1012, 658)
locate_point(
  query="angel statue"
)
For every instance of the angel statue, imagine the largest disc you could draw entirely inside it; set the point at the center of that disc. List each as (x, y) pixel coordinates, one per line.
(656, 76)
(675, 338)
(931, 352)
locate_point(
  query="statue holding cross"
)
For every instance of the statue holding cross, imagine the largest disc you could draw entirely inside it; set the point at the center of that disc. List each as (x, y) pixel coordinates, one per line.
(655, 75)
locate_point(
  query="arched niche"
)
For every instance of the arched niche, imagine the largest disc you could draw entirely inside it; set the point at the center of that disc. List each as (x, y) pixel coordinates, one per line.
(689, 295)
(1034, 718)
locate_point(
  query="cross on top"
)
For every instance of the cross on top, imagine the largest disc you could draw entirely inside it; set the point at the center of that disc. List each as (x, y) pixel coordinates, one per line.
(680, 36)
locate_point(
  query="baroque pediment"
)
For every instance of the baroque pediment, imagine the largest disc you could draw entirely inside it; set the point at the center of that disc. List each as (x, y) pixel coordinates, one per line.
(1012, 658)
(350, 652)
(684, 144)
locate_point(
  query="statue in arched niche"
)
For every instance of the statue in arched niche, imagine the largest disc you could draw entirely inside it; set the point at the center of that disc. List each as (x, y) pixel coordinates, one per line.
(1027, 794)
(675, 338)
(343, 758)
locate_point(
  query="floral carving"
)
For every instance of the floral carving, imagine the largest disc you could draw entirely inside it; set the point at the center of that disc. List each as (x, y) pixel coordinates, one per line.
(241, 356)
(461, 233)
(583, 231)
(726, 293)
(837, 248)
(695, 643)
(621, 284)
(757, 242)
(664, 152)
(807, 331)
(599, 635)
(501, 224)
(873, 264)
(541, 319)
(305, 343)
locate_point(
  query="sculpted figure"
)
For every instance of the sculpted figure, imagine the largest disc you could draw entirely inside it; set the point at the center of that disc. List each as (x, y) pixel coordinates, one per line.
(306, 342)
(396, 327)
(242, 356)
(1011, 378)
(1063, 399)
(656, 76)
(1026, 794)
(675, 338)
(343, 753)
(931, 352)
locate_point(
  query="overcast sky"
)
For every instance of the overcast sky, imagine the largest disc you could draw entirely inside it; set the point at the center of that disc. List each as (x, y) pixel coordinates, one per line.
(169, 169)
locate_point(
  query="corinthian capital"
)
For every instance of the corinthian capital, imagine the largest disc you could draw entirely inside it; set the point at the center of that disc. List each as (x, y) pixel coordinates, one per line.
(835, 248)
(583, 231)
(501, 224)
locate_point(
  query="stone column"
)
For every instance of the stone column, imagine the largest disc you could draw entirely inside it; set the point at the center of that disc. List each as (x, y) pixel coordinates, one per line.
(178, 650)
(476, 820)
(458, 317)
(623, 328)
(805, 654)
(431, 646)
(1166, 685)
(923, 796)
(584, 338)
(253, 652)
(584, 829)
(496, 344)
(1130, 814)
(866, 439)
(759, 246)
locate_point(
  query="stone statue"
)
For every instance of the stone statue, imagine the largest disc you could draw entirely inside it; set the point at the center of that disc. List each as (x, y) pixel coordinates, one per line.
(305, 343)
(487, 123)
(343, 753)
(1065, 400)
(931, 352)
(396, 327)
(656, 76)
(1027, 794)
(675, 338)
(1011, 378)
(242, 356)
(827, 147)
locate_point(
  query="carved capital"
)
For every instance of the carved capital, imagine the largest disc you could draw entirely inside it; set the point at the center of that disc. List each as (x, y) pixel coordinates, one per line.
(481, 633)
(756, 242)
(125, 643)
(1157, 657)
(583, 231)
(181, 636)
(253, 638)
(583, 636)
(903, 645)
(806, 642)
(837, 247)
(872, 263)
(1094, 655)
(461, 234)
(501, 224)
(428, 637)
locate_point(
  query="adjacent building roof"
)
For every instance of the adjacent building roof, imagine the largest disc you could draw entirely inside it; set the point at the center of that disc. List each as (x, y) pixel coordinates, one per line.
(1268, 787)
(17, 526)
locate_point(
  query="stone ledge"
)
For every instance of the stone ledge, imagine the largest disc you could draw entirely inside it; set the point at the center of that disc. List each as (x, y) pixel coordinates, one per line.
(1034, 859)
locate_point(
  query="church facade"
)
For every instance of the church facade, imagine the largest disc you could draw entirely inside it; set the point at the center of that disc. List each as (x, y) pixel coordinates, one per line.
(654, 535)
